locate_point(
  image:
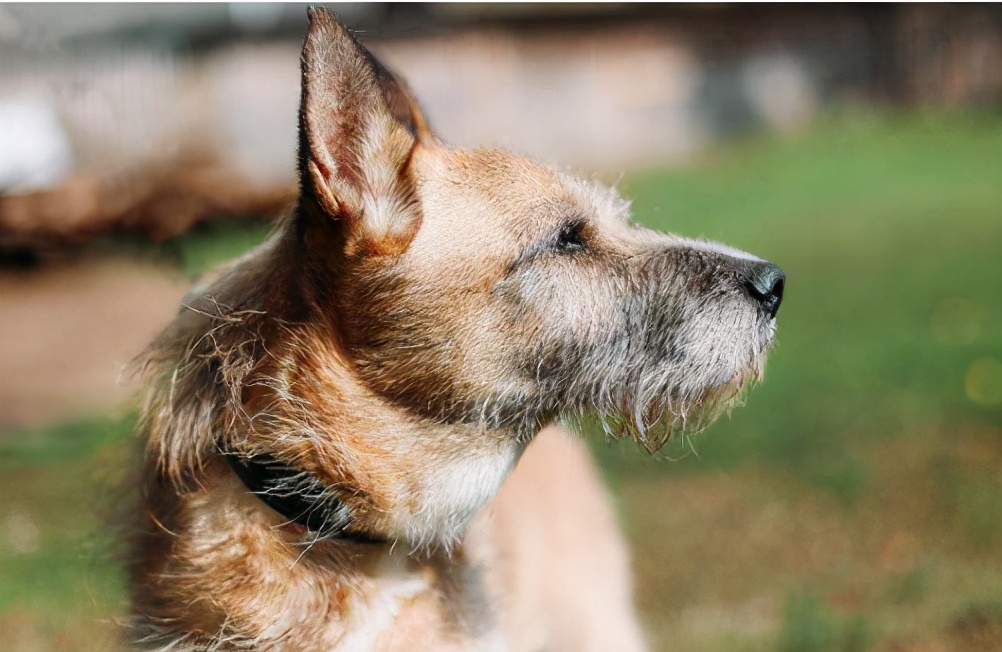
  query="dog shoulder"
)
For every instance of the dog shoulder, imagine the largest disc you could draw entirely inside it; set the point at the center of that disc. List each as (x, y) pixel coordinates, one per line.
(565, 567)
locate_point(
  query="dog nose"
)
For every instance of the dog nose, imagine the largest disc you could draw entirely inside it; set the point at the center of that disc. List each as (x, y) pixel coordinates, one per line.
(765, 283)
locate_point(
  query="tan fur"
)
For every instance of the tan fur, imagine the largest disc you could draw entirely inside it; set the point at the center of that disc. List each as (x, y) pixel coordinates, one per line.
(399, 342)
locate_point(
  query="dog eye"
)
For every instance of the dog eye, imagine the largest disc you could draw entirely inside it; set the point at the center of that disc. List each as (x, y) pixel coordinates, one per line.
(571, 237)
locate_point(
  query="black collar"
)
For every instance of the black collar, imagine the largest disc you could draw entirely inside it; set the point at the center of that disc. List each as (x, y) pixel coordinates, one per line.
(298, 496)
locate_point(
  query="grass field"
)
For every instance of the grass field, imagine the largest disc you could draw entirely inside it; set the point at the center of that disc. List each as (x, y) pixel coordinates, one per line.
(855, 503)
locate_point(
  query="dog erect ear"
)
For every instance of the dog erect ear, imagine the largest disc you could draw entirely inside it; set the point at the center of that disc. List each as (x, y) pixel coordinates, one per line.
(358, 128)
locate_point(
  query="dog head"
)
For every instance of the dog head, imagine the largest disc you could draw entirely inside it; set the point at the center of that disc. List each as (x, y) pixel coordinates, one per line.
(425, 311)
(477, 287)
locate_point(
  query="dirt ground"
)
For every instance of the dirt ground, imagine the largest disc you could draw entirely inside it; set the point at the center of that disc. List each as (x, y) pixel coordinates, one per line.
(67, 329)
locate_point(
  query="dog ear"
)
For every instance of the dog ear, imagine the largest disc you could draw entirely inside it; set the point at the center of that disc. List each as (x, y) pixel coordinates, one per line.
(359, 126)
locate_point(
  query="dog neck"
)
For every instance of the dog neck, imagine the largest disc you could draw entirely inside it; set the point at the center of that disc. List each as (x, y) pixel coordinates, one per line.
(298, 496)
(266, 377)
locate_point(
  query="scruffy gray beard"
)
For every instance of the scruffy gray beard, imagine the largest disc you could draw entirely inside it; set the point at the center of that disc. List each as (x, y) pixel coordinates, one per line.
(679, 346)
(628, 394)
(649, 384)
(641, 382)
(651, 409)
(633, 395)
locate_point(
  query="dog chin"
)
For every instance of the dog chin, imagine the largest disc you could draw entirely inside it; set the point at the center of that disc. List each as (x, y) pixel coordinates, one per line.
(654, 422)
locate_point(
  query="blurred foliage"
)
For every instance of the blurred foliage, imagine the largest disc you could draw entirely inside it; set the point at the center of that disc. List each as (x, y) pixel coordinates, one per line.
(861, 477)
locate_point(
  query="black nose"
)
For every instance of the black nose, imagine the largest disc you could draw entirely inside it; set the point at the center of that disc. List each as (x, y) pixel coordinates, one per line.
(764, 283)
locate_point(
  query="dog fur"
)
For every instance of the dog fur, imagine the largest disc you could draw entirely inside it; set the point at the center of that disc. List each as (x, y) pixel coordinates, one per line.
(401, 341)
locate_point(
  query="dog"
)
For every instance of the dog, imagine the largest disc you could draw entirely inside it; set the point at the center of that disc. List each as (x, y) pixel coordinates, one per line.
(329, 425)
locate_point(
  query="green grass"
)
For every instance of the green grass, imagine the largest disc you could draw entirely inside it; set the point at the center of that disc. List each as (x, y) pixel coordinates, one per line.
(809, 625)
(64, 442)
(59, 584)
(865, 465)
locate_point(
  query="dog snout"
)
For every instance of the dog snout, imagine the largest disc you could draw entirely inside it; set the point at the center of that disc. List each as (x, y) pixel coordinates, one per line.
(765, 281)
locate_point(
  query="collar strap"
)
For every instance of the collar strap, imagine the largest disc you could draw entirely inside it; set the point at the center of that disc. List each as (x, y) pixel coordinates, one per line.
(298, 496)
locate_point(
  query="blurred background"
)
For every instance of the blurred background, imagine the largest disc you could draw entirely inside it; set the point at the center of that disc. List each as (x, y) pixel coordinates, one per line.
(854, 503)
